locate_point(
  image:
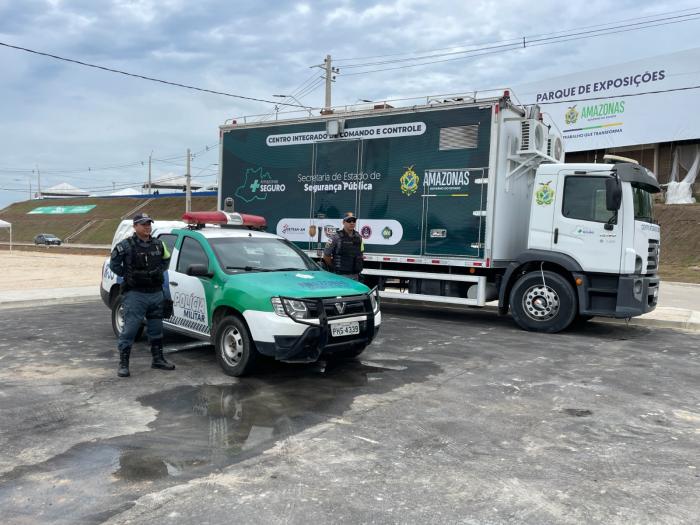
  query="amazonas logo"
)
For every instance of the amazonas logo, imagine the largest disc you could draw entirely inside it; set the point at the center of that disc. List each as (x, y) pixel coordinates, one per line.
(409, 181)
(571, 115)
(594, 111)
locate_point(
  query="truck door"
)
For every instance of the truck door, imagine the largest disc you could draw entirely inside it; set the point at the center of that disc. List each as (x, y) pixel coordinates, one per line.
(583, 228)
(335, 164)
(454, 207)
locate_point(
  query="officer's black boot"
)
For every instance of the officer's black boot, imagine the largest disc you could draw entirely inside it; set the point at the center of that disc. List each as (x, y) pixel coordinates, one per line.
(158, 359)
(124, 362)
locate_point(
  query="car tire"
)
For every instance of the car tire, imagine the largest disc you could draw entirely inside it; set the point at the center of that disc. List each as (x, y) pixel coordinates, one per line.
(235, 350)
(538, 306)
(118, 318)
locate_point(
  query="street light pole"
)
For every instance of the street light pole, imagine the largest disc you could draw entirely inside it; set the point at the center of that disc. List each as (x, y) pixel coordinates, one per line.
(308, 108)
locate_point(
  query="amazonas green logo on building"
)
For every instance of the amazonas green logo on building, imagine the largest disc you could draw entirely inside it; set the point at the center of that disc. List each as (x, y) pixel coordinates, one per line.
(606, 109)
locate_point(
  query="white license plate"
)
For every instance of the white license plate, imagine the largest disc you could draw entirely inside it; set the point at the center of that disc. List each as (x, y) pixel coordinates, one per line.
(343, 329)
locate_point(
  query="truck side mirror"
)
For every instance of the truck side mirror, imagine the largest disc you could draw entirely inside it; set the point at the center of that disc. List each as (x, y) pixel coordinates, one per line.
(199, 270)
(613, 194)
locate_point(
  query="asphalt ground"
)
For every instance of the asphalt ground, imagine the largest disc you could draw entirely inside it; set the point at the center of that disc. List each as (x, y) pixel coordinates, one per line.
(449, 417)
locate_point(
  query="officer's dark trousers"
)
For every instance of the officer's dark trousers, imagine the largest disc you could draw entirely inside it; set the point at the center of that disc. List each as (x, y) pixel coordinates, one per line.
(138, 305)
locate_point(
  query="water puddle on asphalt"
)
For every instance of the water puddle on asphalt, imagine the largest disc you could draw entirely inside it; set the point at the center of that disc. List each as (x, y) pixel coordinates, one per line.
(198, 430)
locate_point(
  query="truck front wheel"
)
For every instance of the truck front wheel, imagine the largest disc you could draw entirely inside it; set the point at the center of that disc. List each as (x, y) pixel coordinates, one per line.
(543, 302)
(235, 349)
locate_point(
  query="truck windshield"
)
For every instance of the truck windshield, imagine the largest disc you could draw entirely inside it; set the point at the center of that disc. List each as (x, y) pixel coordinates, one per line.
(643, 204)
(251, 254)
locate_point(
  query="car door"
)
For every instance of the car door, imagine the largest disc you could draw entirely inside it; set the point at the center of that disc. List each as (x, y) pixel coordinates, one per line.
(189, 293)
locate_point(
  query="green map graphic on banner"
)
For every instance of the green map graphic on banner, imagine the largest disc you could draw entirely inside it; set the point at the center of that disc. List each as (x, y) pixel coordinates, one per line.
(62, 210)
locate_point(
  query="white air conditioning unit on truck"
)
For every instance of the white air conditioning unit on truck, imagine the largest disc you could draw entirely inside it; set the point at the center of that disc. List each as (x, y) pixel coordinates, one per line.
(555, 148)
(534, 137)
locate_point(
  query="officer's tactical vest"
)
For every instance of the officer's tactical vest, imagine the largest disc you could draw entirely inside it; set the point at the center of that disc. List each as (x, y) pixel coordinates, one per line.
(144, 266)
(348, 255)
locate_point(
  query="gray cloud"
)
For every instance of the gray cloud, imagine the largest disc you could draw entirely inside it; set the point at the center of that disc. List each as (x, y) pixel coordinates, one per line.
(63, 116)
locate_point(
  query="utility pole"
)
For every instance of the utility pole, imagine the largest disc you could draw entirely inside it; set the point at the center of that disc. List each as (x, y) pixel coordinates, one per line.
(149, 172)
(329, 76)
(38, 190)
(329, 71)
(188, 197)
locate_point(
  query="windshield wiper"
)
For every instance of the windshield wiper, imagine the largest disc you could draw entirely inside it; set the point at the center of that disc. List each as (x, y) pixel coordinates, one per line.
(248, 268)
(289, 270)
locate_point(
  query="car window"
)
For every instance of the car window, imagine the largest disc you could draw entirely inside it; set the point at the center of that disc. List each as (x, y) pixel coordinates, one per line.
(169, 240)
(259, 254)
(191, 252)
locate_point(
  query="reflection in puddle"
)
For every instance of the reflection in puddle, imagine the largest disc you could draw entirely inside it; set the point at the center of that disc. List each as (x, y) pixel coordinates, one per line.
(220, 424)
(198, 430)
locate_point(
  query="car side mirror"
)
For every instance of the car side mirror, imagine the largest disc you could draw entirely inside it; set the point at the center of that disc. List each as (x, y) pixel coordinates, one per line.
(613, 194)
(199, 270)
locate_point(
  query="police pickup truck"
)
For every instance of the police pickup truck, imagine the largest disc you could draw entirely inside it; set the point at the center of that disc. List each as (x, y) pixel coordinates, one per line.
(252, 293)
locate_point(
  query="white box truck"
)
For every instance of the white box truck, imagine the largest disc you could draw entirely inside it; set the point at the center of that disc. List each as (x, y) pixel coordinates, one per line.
(459, 201)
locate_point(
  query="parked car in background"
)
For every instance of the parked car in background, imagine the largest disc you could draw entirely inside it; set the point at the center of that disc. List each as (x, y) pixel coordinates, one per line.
(47, 238)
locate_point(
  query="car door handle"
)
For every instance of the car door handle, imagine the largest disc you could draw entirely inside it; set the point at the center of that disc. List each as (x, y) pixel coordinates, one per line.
(173, 283)
(556, 235)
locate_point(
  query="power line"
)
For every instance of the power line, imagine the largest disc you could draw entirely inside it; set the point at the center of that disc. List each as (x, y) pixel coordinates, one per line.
(502, 48)
(143, 77)
(134, 164)
(516, 39)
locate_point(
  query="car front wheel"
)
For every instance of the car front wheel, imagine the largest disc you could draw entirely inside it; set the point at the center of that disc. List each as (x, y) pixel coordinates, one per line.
(235, 349)
(118, 318)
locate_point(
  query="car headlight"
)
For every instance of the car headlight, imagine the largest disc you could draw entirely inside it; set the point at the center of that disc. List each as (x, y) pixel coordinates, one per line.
(374, 299)
(296, 309)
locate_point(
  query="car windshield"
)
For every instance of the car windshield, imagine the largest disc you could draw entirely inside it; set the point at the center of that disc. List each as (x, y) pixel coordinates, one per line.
(259, 254)
(643, 204)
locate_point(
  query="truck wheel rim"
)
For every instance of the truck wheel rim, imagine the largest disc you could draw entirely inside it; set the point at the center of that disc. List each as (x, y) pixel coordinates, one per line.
(541, 303)
(232, 346)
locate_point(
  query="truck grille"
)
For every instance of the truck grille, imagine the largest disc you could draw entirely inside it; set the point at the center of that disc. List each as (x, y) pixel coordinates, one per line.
(653, 256)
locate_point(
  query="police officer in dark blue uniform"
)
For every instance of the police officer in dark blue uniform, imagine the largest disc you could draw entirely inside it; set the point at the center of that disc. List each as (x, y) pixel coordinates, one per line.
(141, 260)
(343, 252)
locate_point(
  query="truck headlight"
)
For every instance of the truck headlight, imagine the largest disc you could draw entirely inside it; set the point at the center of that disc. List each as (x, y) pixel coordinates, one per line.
(296, 309)
(638, 265)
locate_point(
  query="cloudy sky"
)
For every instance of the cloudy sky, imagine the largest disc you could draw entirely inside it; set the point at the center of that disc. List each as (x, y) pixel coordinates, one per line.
(95, 129)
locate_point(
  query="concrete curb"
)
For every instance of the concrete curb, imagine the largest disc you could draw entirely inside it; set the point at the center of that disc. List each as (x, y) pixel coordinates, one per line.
(37, 303)
(662, 317)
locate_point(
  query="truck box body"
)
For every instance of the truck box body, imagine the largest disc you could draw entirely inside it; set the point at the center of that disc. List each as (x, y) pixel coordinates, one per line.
(424, 180)
(458, 201)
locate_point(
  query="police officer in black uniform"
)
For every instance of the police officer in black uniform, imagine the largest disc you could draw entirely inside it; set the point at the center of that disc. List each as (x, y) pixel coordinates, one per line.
(343, 252)
(141, 261)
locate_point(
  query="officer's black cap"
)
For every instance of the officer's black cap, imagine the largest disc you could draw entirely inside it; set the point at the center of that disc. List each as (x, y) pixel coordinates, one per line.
(349, 217)
(142, 218)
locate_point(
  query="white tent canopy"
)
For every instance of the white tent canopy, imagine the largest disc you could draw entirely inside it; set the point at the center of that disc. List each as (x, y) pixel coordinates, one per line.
(687, 158)
(5, 224)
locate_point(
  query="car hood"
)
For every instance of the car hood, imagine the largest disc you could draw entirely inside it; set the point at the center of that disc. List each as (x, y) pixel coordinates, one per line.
(294, 284)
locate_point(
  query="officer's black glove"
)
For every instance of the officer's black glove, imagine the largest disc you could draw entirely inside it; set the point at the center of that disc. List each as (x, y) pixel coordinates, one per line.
(167, 308)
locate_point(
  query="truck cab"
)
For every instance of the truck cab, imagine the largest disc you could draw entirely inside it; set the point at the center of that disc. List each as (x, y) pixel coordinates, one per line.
(591, 225)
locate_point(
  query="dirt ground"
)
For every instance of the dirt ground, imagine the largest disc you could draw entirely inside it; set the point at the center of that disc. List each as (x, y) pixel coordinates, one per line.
(32, 270)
